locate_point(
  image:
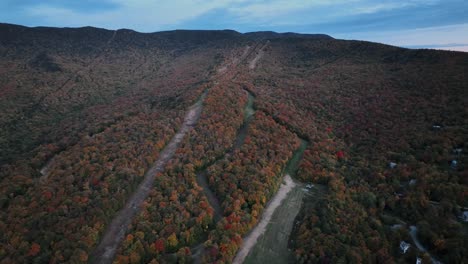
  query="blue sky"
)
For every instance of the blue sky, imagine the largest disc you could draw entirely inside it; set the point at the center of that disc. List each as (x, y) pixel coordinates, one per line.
(412, 23)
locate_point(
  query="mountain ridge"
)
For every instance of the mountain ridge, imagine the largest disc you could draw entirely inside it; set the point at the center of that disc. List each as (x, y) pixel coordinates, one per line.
(11, 32)
(255, 34)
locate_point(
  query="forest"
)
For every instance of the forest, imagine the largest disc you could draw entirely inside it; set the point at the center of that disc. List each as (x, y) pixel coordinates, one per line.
(383, 145)
(85, 113)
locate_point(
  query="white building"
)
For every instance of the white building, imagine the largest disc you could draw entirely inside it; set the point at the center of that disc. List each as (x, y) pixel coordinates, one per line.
(457, 151)
(464, 216)
(404, 246)
(453, 164)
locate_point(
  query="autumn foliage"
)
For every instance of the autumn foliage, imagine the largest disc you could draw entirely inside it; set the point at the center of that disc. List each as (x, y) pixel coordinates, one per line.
(86, 112)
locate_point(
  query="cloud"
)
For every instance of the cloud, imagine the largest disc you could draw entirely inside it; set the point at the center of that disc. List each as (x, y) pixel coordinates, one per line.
(435, 46)
(151, 15)
(441, 37)
(294, 12)
(143, 15)
(457, 48)
(370, 8)
(154, 15)
(265, 10)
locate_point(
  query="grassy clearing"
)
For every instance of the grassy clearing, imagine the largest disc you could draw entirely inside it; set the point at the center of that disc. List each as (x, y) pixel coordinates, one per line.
(293, 163)
(272, 246)
(249, 111)
(248, 116)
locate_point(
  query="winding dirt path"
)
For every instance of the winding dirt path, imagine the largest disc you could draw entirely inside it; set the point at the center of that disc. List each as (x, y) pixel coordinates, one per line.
(414, 235)
(201, 176)
(249, 112)
(202, 181)
(105, 251)
(251, 239)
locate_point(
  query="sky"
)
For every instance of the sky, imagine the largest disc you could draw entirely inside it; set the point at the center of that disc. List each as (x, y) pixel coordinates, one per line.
(438, 24)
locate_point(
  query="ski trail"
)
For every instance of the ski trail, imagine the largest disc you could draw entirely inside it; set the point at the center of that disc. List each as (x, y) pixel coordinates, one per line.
(259, 229)
(106, 249)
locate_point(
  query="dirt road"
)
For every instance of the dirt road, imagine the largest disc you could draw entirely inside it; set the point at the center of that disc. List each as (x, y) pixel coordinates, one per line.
(272, 246)
(105, 251)
(259, 55)
(241, 134)
(202, 181)
(414, 235)
(251, 239)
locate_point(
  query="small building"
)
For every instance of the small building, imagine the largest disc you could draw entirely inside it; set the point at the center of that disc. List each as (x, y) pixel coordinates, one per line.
(418, 261)
(309, 186)
(457, 151)
(412, 182)
(464, 216)
(396, 226)
(436, 127)
(404, 246)
(392, 165)
(453, 164)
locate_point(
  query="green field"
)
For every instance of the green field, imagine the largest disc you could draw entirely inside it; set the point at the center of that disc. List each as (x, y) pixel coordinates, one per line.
(272, 246)
(249, 112)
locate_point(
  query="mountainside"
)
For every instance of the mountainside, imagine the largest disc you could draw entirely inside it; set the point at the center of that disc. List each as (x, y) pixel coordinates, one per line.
(188, 135)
